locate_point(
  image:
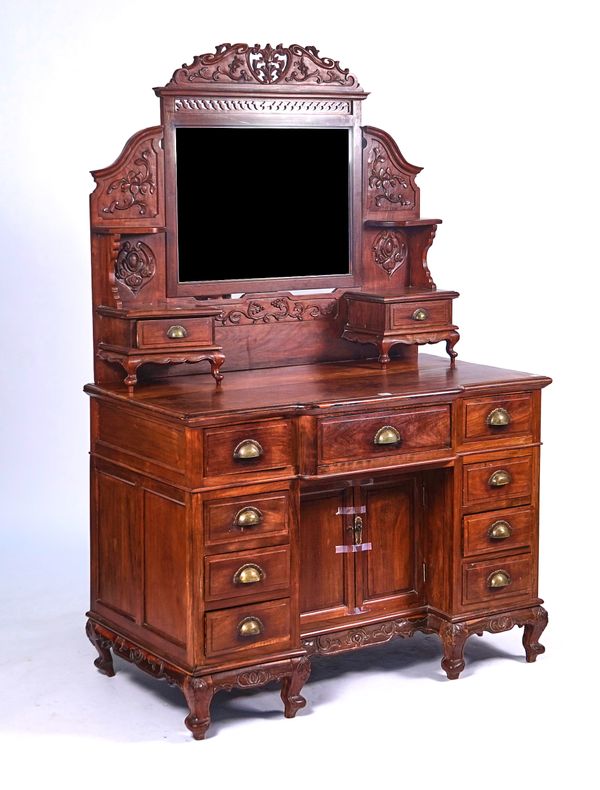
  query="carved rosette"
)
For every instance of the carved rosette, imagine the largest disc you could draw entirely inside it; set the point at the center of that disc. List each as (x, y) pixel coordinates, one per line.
(243, 64)
(135, 265)
(390, 251)
(276, 310)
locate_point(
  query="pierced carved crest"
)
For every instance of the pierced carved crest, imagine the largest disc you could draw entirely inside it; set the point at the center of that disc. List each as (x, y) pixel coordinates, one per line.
(243, 64)
(390, 251)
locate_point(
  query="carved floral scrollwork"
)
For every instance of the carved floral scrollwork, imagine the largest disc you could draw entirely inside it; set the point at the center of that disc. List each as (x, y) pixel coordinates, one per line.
(135, 187)
(391, 186)
(267, 65)
(135, 265)
(281, 309)
(390, 251)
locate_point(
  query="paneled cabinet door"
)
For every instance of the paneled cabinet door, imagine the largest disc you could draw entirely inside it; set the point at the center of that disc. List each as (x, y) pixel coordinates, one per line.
(389, 572)
(327, 586)
(360, 548)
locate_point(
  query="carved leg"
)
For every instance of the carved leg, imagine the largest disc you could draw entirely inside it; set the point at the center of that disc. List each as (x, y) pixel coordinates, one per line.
(453, 636)
(292, 685)
(216, 360)
(131, 367)
(384, 351)
(450, 343)
(532, 632)
(104, 662)
(198, 695)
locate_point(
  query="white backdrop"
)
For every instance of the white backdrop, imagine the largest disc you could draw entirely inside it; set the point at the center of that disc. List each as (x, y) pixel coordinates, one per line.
(498, 102)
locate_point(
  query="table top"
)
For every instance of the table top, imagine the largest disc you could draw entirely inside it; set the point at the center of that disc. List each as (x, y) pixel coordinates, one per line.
(305, 388)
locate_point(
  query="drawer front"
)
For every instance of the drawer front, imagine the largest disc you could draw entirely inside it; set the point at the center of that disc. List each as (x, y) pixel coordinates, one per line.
(171, 333)
(247, 519)
(498, 531)
(351, 438)
(493, 418)
(243, 449)
(245, 629)
(248, 573)
(513, 575)
(502, 480)
(415, 316)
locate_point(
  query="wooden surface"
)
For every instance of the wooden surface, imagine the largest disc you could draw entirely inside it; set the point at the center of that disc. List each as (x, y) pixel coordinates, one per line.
(215, 571)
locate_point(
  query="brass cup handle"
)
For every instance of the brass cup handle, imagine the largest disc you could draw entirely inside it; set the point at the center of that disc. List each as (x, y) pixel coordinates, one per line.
(500, 478)
(176, 332)
(420, 314)
(387, 436)
(498, 418)
(250, 626)
(247, 517)
(500, 530)
(498, 579)
(247, 450)
(249, 574)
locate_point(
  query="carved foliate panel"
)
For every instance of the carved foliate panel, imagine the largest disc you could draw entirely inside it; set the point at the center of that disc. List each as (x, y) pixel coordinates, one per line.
(389, 179)
(241, 64)
(266, 311)
(390, 251)
(135, 265)
(130, 191)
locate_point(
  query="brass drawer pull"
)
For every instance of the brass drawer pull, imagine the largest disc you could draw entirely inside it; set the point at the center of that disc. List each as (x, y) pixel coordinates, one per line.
(249, 574)
(388, 435)
(176, 332)
(247, 517)
(500, 530)
(247, 450)
(498, 418)
(499, 479)
(420, 314)
(250, 626)
(498, 579)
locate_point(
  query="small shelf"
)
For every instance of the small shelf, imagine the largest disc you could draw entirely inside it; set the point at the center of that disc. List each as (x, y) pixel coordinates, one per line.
(126, 230)
(400, 223)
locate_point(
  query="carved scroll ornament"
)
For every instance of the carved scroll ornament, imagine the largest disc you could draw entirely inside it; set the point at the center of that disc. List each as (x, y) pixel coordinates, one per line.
(243, 64)
(135, 265)
(280, 309)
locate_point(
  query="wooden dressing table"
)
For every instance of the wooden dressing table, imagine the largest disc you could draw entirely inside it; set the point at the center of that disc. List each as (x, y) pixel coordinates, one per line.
(328, 487)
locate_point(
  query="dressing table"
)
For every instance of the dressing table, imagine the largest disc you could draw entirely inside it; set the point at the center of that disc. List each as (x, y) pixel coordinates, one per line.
(321, 485)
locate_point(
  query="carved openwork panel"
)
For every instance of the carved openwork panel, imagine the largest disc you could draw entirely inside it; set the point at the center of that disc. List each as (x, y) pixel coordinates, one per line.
(241, 64)
(215, 105)
(389, 179)
(130, 191)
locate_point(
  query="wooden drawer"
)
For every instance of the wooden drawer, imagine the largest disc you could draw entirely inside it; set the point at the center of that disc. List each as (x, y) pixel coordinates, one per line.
(246, 574)
(272, 621)
(481, 482)
(155, 333)
(244, 449)
(477, 580)
(406, 316)
(353, 437)
(497, 531)
(513, 415)
(253, 519)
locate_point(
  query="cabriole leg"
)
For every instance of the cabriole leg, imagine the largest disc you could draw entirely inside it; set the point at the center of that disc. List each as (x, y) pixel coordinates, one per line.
(104, 662)
(453, 636)
(198, 695)
(292, 685)
(532, 632)
(216, 360)
(450, 343)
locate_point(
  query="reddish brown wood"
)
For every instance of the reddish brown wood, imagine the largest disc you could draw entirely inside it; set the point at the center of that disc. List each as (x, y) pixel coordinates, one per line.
(349, 542)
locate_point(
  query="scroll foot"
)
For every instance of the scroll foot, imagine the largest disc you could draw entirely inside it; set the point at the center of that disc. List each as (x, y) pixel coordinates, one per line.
(532, 632)
(292, 685)
(198, 694)
(104, 662)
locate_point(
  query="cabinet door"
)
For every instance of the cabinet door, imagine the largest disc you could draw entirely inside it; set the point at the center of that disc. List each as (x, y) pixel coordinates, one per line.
(326, 574)
(389, 575)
